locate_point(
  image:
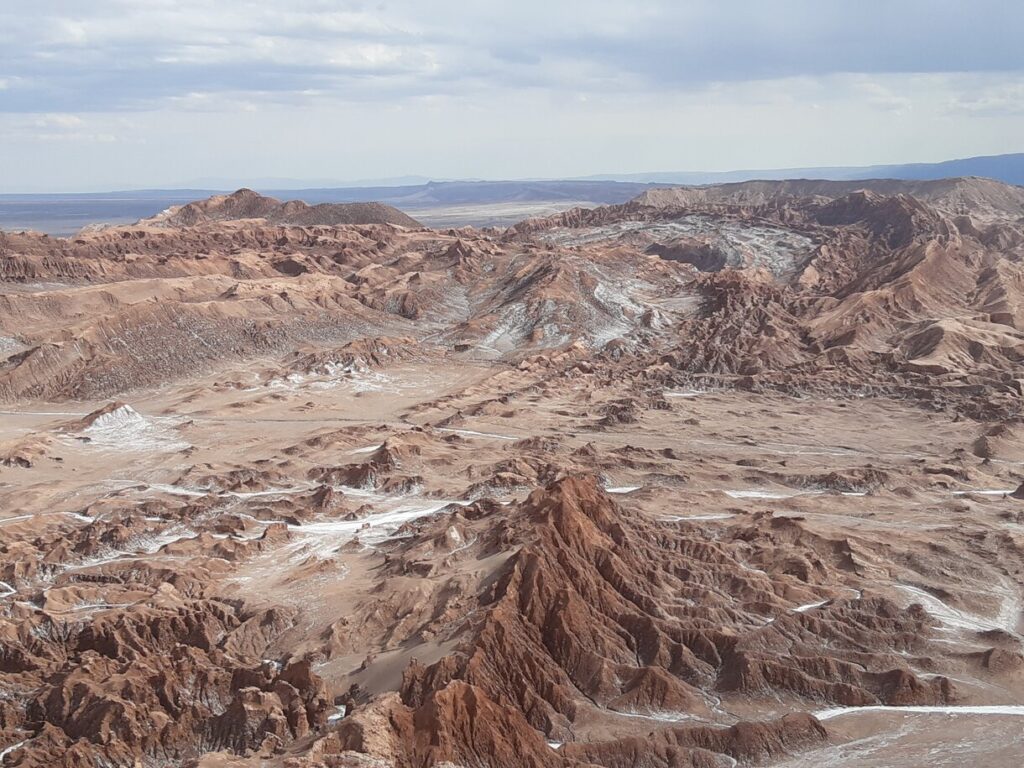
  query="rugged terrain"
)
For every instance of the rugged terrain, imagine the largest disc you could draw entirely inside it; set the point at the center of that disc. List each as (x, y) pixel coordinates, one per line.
(718, 476)
(246, 204)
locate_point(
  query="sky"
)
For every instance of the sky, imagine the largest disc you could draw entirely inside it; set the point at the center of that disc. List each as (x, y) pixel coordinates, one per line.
(117, 94)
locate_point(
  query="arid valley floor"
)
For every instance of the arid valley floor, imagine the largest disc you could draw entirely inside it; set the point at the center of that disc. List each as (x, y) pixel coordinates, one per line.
(721, 476)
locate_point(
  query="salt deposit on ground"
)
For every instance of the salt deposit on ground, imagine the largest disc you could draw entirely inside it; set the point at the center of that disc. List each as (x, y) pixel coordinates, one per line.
(686, 393)
(774, 248)
(809, 606)
(1012, 710)
(375, 528)
(7, 750)
(1006, 620)
(685, 518)
(985, 492)
(473, 433)
(767, 494)
(125, 429)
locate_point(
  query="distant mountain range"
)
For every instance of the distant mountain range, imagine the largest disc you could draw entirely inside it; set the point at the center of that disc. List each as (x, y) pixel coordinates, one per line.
(454, 203)
(447, 193)
(284, 183)
(1005, 168)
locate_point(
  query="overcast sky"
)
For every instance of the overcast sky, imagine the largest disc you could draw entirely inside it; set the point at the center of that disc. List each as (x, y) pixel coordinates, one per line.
(106, 94)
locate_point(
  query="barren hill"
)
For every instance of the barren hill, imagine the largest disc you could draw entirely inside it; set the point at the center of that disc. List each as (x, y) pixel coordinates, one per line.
(246, 204)
(967, 196)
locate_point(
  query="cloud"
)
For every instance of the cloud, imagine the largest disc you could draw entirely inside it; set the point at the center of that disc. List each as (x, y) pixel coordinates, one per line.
(59, 122)
(130, 56)
(881, 97)
(167, 90)
(991, 100)
(61, 127)
(125, 55)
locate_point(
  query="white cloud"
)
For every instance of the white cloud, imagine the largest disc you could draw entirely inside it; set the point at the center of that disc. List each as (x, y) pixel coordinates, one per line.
(45, 129)
(881, 97)
(58, 122)
(64, 31)
(991, 100)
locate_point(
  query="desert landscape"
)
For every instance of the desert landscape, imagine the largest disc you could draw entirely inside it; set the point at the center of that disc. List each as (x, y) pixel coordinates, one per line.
(725, 475)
